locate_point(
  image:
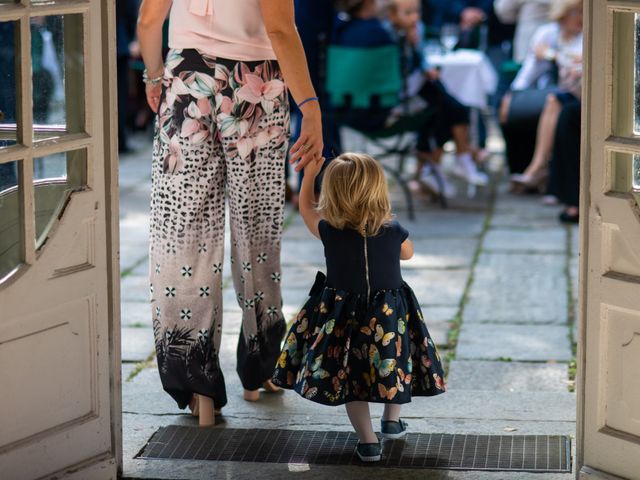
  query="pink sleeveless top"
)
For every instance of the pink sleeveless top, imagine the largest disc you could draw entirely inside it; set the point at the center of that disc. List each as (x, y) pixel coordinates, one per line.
(232, 29)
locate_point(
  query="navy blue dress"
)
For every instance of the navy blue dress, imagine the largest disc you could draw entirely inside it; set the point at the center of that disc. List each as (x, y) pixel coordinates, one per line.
(361, 335)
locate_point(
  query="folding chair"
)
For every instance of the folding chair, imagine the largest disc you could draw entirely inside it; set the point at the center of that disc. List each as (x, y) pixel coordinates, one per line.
(370, 78)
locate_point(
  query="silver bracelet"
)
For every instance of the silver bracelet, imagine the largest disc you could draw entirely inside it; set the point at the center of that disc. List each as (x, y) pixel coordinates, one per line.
(151, 81)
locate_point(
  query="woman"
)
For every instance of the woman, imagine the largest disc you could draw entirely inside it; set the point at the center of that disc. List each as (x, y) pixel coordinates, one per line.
(558, 43)
(223, 125)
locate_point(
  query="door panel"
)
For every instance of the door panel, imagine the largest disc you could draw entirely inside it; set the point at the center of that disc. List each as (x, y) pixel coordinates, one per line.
(59, 324)
(609, 344)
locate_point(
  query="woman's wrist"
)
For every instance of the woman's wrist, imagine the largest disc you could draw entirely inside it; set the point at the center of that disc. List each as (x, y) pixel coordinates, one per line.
(309, 108)
(155, 70)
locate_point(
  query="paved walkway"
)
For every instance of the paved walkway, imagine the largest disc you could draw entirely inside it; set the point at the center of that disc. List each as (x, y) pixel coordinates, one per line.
(495, 280)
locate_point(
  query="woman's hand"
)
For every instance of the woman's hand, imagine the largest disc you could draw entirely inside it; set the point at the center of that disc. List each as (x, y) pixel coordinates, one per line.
(150, 20)
(309, 145)
(153, 95)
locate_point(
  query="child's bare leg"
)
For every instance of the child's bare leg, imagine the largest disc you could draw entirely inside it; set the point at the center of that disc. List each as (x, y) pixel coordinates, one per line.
(360, 419)
(391, 412)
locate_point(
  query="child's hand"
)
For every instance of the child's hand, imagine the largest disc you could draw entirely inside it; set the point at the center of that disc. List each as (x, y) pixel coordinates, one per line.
(313, 168)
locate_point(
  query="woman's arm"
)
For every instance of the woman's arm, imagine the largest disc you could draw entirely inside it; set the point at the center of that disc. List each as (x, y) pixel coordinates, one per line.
(406, 250)
(280, 25)
(307, 200)
(152, 16)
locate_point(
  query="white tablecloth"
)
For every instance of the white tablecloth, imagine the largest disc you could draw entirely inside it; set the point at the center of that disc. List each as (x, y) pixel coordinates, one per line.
(467, 74)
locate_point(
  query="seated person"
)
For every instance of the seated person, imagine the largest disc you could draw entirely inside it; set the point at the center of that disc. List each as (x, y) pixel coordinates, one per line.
(451, 118)
(555, 45)
(362, 28)
(564, 181)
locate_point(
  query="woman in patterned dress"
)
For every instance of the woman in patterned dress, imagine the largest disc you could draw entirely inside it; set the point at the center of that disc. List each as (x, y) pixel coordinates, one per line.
(222, 128)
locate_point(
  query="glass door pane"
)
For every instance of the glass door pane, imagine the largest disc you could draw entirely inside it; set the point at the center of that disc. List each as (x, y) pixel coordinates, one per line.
(55, 178)
(57, 63)
(11, 241)
(8, 131)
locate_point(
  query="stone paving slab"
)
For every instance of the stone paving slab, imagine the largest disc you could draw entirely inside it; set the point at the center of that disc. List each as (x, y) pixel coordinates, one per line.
(134, 288)
(532, 219)
(517, 342)
(437, 287)
(507, 376)
(144, 395)
(130, 255)
(439, 332)
(298, 252)
(439, 314)
(442, 252)
(445, 223)
(137, 344)
(135, 314)
(550, 240)
(518, 288)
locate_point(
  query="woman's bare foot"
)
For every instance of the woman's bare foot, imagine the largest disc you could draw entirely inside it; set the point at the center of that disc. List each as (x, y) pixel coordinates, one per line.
(194, 406)
(270, 387)
(206, 415)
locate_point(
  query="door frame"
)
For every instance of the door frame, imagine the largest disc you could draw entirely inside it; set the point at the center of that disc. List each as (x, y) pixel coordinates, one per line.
(601, 132)
(112, 214)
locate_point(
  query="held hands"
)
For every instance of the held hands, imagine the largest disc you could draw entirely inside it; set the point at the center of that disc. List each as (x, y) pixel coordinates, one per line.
(312, 169)
(308, 148)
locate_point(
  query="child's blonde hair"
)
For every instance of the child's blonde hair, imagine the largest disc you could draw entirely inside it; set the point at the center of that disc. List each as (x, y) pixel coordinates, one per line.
(354, 194)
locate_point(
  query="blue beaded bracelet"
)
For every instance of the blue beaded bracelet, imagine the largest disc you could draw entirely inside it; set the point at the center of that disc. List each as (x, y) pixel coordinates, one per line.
(310, 99)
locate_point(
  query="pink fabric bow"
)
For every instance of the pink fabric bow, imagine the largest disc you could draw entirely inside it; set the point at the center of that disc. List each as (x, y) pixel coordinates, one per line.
(201, 7)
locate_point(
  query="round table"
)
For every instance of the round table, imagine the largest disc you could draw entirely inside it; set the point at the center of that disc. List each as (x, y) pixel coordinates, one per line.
(467, 75)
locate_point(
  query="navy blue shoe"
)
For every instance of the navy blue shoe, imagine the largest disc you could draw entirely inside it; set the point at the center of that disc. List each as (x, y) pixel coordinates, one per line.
(392, 430)
(369, 452)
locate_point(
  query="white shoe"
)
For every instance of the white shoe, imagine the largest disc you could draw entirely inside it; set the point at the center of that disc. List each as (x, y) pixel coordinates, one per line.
(428, 178)
(467, 170)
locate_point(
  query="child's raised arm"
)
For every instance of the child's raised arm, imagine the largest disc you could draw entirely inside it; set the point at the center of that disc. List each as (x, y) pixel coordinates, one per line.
(307, 201)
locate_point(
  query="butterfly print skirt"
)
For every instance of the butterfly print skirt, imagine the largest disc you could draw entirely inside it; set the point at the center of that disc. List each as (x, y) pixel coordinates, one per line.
(341, 349)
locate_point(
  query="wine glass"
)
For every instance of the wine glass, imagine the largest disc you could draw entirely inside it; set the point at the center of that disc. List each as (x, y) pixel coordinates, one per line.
(449, 34)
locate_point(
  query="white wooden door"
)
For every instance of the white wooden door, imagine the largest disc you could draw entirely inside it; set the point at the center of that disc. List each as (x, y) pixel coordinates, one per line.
(59, 313)
(609, 346)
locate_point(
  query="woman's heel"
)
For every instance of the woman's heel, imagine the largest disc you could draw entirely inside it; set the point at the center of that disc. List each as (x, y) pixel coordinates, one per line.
(206, 412)
(251, 395)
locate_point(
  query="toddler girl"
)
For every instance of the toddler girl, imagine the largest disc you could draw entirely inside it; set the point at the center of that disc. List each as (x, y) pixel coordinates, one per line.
(361, 336)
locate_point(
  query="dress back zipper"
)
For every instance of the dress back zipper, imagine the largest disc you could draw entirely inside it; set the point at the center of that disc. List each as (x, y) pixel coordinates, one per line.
(366, 266)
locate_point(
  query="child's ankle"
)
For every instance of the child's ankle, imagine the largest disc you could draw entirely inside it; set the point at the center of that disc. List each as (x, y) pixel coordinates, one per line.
(369, 439)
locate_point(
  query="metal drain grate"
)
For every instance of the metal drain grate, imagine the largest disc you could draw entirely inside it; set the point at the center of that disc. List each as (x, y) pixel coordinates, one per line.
(522, 453)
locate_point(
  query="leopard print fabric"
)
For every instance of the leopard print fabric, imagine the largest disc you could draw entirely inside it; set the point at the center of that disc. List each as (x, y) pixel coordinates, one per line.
(222, 131)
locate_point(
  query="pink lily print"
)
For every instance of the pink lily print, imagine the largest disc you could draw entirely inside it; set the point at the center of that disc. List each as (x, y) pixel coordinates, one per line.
(230, 123)
(196, 125)
(247, 144)
(173, 162)
(255, 90)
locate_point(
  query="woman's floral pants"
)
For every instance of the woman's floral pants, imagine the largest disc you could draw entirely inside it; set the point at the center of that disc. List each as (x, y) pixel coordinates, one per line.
(222, 130)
